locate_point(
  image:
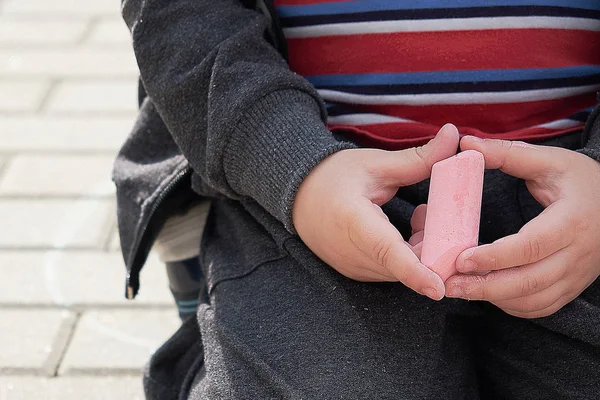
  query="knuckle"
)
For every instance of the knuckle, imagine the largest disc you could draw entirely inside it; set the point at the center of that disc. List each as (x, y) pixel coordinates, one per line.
(479, 288)
(507, 144)
(381, 252)
(529, 285)
(422, 157)
(531, 250)
(493, 261)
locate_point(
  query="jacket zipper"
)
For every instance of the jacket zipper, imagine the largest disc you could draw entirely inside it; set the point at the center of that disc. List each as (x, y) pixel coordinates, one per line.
(133, 275)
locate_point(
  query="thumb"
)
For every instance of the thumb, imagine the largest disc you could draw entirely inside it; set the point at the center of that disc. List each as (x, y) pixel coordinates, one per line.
(519, 159)
(379, 240)
(406, 167)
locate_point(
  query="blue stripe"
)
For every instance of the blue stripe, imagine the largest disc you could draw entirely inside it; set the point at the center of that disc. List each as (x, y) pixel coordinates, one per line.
(338, 109)
(187, 302)
(582, 116)
(407, 78)
(383, 5)
(187, 309)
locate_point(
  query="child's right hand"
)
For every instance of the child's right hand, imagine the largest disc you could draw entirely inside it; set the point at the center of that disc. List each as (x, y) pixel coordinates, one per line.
(338, 216)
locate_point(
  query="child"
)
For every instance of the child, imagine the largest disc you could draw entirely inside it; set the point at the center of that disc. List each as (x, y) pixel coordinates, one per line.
(311, 291)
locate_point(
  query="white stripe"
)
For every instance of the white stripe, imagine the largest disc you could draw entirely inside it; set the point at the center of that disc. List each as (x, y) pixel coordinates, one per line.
(435, 25)
(374, 119)
(560, 124)
(456, 98)
(365, 119)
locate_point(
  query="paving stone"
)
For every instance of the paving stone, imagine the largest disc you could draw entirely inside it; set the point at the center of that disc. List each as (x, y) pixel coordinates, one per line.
(77, 278)
(71, 388)
(21, 96)
(39, 175)
(115, 242)
(110, 31)
(61, 7)
(92, 96)
(128, 339)
(73, 133)
(50, 223)
(16, 32)
(68, 62)
(27, 336)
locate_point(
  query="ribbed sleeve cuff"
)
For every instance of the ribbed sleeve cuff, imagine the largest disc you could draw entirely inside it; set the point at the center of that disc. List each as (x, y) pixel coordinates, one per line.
(275, 145)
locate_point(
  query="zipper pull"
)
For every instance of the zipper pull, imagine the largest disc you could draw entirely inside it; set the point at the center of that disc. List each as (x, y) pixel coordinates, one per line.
(130, 288)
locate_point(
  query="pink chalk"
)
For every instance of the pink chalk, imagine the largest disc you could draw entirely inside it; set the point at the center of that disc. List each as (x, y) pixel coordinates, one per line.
(453, 211)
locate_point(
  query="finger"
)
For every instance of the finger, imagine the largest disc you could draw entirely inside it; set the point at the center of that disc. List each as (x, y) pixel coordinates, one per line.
(417, 248)
(380, 212)
(544, 235)
(510, 283)
(561, 295)
(518, 159)
(406, 167)
(554, 307)
(384, 246)
(531, 306)
(416, 238)
(370, 275)
(417, 221)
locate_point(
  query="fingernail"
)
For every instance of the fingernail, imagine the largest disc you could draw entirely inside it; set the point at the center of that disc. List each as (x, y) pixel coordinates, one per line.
(443, 129)
(431, 293)
(468, 266)
(476, 139)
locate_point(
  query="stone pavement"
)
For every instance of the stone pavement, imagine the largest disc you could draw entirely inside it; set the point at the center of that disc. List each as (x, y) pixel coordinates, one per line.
(67, 101)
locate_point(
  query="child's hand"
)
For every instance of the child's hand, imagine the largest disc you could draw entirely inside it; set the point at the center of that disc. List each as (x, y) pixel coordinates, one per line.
(417, 223)
(556, 255)
(337, 213)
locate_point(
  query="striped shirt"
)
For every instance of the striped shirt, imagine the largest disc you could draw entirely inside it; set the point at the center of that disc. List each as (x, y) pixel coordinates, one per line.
(393, 72)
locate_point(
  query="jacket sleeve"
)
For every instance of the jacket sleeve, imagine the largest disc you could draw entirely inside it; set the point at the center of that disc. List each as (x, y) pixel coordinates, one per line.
(591, 135)
(249, 127)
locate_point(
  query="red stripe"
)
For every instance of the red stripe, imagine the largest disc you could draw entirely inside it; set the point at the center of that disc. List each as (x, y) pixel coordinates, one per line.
(504, 117)
(386, 136)
(443, 51)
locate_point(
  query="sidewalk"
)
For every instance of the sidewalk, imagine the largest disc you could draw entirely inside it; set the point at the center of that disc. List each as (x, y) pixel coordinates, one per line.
(67, 102)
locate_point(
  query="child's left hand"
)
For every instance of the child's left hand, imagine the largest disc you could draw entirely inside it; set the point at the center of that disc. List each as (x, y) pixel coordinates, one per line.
(555, 256)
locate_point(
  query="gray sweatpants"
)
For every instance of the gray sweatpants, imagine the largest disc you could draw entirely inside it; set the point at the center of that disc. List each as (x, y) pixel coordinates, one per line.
(277, 323)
